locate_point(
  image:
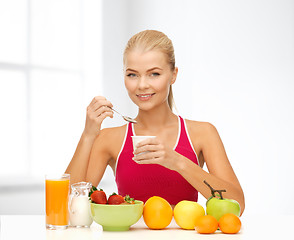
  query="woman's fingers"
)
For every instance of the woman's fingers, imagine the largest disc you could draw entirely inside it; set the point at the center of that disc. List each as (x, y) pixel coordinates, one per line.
(148, 152)
(148, 155)
(97, 111)
(101, 110)
(98, 106)
(152, 151)
(98, 103)
(152, 146)
(104, 115)
(99, 100)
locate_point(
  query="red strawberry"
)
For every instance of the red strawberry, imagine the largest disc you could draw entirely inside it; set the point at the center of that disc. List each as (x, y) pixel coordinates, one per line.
(115, 199)
(99, 196)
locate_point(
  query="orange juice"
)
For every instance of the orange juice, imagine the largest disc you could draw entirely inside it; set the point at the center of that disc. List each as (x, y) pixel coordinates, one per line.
(57, 192)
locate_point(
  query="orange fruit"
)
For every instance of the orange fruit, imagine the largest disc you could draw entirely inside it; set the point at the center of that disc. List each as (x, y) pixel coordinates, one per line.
(229, 223)
(157, 213)
(206, 224)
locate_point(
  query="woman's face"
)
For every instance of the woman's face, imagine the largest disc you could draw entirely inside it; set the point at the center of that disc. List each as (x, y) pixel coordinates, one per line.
(148, 77)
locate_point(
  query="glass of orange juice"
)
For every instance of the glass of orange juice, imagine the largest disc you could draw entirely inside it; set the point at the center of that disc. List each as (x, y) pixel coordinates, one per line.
(57, 193)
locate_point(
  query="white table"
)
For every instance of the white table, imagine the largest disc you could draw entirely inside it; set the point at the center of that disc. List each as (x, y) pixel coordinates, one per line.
(253, 227)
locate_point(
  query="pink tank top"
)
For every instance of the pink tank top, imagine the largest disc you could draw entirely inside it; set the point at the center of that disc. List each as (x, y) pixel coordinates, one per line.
(144, 181)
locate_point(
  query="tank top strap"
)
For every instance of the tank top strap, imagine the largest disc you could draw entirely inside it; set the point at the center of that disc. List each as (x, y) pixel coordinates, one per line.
(130, 130)
(185, 142)
(127, 144)
(183, 132)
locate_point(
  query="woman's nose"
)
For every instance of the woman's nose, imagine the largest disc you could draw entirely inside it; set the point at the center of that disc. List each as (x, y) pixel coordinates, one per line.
(143, 83)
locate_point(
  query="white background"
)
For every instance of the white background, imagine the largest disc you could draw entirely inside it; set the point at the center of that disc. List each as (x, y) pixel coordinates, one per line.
(236, 71)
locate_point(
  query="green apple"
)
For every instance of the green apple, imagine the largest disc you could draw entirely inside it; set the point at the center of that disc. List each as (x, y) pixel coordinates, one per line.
(218, 206)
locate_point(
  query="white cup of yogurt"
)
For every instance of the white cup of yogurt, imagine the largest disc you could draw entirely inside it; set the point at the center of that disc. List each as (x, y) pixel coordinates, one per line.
(137, 139)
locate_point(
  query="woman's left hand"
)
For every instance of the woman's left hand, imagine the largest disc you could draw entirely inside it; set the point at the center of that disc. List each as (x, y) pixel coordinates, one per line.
(152, 151)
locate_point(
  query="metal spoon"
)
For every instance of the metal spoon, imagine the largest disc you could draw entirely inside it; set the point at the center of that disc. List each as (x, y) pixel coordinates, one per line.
(126, 118)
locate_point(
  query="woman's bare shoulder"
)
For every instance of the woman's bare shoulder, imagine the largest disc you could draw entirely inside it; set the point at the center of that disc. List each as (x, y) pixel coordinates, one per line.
(200, 127)
(111, 140)
(113, 132)
(202, 132)
(111, 135)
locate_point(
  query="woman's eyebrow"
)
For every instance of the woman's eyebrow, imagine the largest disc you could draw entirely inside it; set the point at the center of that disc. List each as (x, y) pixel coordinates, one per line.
(149, 70)
(129, 69)
(154, 68)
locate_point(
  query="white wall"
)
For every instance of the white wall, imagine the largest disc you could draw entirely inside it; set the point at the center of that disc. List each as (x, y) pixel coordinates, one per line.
(236, 70)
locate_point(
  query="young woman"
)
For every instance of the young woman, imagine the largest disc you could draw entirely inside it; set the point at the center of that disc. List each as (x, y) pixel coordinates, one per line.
(169, 165)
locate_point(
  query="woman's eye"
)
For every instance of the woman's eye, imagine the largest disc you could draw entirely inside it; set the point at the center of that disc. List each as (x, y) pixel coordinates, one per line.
(155, 74)
(131, 75)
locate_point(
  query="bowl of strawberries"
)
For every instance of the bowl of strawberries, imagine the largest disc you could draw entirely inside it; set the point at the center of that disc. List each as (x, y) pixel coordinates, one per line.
(115, 213)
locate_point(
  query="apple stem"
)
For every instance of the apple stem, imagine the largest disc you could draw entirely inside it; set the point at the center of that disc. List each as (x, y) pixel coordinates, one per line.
(220, 193)
(213, 190)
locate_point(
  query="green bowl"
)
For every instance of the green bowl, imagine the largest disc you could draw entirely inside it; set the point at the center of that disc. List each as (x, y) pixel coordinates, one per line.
(117, 217)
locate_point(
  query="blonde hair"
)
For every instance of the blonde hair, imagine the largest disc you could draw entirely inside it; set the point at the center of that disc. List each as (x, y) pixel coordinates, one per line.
(154, 40)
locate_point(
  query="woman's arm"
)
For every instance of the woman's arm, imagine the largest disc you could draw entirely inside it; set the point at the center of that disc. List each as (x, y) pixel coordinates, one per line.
(221, 174)
(104, 152)
(78, 166)
(99, 158)
(195, 175)
(96, 113)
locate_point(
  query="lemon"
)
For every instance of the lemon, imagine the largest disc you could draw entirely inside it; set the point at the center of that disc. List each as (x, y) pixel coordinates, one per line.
(186, 213)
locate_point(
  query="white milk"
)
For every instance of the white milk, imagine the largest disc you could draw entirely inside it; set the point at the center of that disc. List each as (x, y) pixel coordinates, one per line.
(79, 213)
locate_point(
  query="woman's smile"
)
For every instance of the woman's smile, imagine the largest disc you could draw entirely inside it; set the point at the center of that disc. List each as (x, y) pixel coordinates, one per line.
(145, 97)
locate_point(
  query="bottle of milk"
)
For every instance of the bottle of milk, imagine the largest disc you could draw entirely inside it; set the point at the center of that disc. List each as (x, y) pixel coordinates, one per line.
(79, 206)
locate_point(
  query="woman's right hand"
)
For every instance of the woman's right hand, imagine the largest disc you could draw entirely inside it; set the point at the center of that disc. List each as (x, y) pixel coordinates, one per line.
(97, 111)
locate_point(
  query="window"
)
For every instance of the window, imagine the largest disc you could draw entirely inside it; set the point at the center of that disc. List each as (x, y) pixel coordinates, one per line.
(49, 59)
